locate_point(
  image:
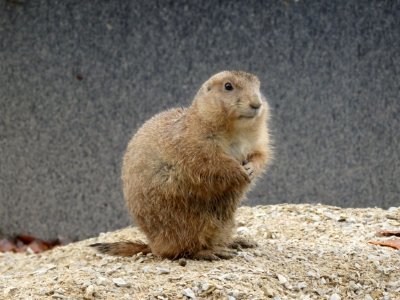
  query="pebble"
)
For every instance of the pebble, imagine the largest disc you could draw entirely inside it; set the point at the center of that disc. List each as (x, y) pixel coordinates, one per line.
(301, 285)
(189, 293)
(269, 292)
(121, 282)
(335, 297)
(247, 256)
(368, 297)
(146, 269)
(242, 230)
(282, 279)
(312, 274)
(89, 292)
(41, 271)
(161, 270)
(102, 280)
(9, 291)
(140, 260)
(113, 269)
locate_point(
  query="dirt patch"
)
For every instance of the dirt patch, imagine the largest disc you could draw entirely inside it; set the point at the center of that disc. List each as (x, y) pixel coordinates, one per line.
(305, 252)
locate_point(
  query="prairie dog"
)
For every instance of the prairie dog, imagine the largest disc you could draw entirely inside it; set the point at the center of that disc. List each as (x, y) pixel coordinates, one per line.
(186, 170)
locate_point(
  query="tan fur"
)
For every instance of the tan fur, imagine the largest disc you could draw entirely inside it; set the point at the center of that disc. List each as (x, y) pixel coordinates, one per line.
(186, 170)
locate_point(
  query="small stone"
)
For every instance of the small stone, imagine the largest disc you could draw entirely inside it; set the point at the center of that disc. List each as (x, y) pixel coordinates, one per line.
(312, 274)
(89, 292)
(102, 280)
(60, 291)
(30, 251)
(335, 297)
(282, 279)
(121, 283)
(268, 291)
(9, 291)
(86, 283)
(321, 292)
(182, 262)
(140, 260)
(41, 271)
(354, 286)
(189, 293)
(247, 256)
(161, 270)
(113, 269)
(228, 277)
(368, 297)
(146, 269)
(242, 230)
(394, 284)
(301, 285)
(204, 286)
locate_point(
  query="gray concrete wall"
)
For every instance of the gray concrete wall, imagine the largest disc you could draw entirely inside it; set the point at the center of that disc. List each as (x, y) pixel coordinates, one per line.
(78, 77)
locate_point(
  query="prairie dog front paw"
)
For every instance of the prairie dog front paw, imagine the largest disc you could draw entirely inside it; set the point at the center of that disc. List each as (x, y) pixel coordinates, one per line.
(249, 168)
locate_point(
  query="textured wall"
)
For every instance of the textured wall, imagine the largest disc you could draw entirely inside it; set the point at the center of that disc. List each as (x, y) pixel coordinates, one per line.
(78, 77)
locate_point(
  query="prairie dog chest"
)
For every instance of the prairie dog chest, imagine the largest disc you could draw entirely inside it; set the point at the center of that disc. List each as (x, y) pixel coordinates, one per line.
(241, 147)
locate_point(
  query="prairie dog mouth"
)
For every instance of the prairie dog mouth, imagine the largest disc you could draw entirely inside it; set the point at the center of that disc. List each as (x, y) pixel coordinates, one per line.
(251, 113)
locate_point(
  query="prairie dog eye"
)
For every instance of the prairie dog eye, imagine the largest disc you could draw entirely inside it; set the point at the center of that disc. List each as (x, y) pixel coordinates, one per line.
(228, 86)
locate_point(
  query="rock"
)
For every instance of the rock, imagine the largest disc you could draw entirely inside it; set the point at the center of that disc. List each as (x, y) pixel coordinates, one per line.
(161, 270)
(102, 280)
(89, 292)
(146, 269)
(301, 285)
(282, 279)
(188, 292)
(335, 297)
(121, 282)
(41, 271)
(268, 292)
(140, 260)
(9, 291)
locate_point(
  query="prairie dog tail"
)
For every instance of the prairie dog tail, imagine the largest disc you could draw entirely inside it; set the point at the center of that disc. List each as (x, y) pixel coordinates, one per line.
(122, 248)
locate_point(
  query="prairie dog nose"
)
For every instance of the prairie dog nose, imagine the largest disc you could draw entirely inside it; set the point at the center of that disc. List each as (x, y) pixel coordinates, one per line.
(255, 105)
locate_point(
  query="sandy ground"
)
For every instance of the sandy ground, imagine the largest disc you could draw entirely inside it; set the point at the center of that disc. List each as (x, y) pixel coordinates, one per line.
(304, 252)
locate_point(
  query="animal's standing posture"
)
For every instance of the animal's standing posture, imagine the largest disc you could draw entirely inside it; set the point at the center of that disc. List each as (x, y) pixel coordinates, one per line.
(186, 170)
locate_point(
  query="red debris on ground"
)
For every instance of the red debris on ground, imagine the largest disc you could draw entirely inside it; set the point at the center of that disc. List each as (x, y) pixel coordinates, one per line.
(389, 232)
(27, 243)
(394, 243)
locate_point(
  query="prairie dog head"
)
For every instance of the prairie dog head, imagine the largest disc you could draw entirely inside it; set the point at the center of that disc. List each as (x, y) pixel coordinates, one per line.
(233, 97)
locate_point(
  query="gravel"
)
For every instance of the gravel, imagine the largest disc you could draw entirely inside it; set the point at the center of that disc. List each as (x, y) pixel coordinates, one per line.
(305, 252)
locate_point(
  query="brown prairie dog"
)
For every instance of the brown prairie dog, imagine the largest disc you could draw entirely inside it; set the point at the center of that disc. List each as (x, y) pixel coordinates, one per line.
(186, 170)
